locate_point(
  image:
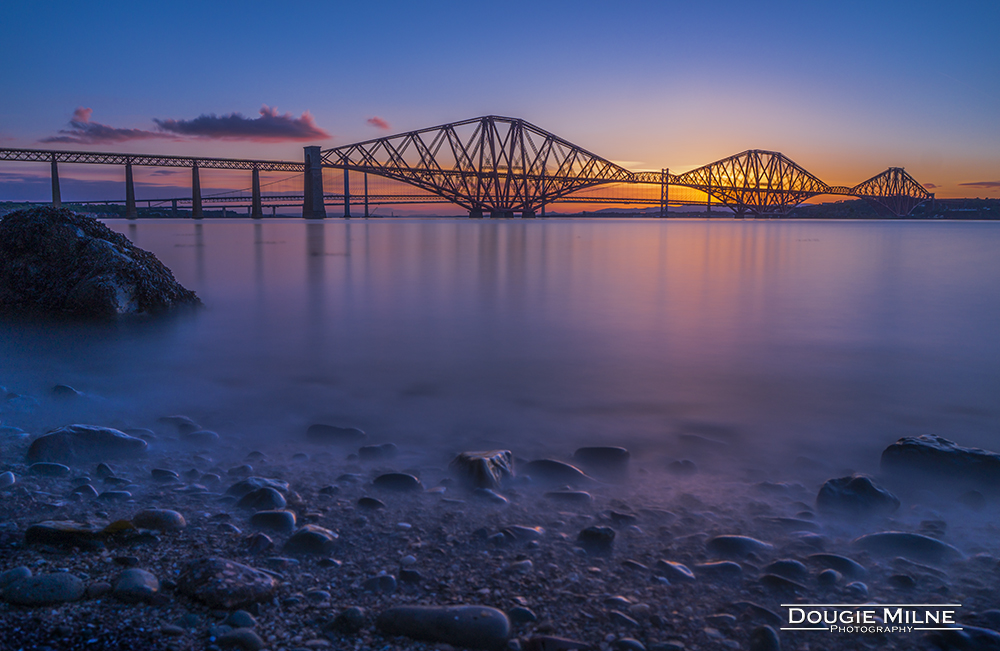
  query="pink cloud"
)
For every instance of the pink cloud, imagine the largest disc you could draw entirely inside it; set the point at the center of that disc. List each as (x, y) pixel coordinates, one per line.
(84, 132)
(930, 186)
(269, 127)
(378, 123)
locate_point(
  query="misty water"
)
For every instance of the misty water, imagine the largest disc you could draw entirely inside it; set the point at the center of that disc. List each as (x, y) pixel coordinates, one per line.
(767, 340)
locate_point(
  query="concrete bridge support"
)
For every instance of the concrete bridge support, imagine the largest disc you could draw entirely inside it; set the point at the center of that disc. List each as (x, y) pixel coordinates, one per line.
(130, 210)
(256, 210)
(56, 195)
(528, 214)
(347, 193)
(312, 185)
(476, 213)
(195, 193)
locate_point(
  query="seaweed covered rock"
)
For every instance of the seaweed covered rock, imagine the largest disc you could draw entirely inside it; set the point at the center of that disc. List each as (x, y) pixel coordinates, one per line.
(55, 262)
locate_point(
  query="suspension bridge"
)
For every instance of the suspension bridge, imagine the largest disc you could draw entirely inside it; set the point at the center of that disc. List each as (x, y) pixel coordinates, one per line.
(492, 166)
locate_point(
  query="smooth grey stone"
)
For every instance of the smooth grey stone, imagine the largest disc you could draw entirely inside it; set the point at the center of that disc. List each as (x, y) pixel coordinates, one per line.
(622, 518)
(737, 546)
(857, 588)
(902, 581)
(757, 612)
(317, 595)
(7, 479)
(164, 475)
(788, 568)
(829, 578)
(629, 644)
(282, 562)
(486, 469)
(941, 458)
(635, 565)
(13, 575)
(260, 543)
(380, 583)
(604, 461)
(398, 481)
(182, 423)
(524, 533)
(240, 619)
(621, 619)
(556, 472)
(243, 639)
(85, 491)
(842, 564)
(378, 452)
(719, 570)
(244, 470)
(910, 545)
(48, 469)
(778, 583)
(159, 519)
(408, 575)
(64, 391)
(45, 590)
(521, 615)
(115, 496)
(224, 584)
(333, 435)
(311, 539)
(597, 540)
(75, 444)
(476, 627)
(281, 520)
(371, 503)
(201, 437)
(764, 638)
(675, 572)
(135, 586)
(855, 496)
(65, 534)
(349, 621)
(250, 484)
(262, 499)
(570, 497)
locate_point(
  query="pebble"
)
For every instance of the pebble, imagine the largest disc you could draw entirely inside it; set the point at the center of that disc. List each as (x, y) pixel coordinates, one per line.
(604, 461)
(262, 499)
(371, 503)
(829, 577)
(842, 564)
(311, 539)
(135, 586)
(554, 643)
(910, 545)
(12, 576)
(115, 496)
(241, 638)
(597, 540)
(522, 567)
(476, 627)
(333, 435)
(225, 584)
(781, 584)
(378, 452)
(48, 469)
(675, 572)
(736, 546)
(720, 570)
(788, 568)
(857, 588)
(764, 638)
(183, 424)
(398, 481)
(490, 495)
(721, 620)
(75, 444)
(85, 491)
(259, 543)
(410, 576)
(621, 619)
(159, 519)
(64, 533)
(240, 619)
(202, 437)
(7, 479)
(350, 620)
(629, 644)
(682, 467)
(382, 583)
(164, 475)
(45, 589)
(281, 520)
(521, 615)
(250, 484)
(556, 472)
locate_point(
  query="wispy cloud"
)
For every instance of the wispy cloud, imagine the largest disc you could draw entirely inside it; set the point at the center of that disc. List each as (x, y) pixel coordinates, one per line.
(378, 123)
(166, 172)
(982, 184)
(930, 186)
(269, 127)
(84, 132)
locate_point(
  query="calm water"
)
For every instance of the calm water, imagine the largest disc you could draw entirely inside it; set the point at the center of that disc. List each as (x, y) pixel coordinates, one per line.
(828, 340)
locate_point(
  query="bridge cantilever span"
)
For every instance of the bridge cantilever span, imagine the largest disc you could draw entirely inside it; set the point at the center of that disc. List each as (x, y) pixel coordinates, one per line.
(504, 165)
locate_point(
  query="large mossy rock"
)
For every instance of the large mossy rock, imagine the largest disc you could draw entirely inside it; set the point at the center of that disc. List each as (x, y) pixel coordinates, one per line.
(55, 262)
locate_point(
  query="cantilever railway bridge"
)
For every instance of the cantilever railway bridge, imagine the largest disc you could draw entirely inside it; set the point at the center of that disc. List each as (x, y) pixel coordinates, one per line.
(500, 167)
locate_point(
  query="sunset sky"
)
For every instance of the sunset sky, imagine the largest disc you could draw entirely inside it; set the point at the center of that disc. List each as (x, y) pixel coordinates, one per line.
(845, 89)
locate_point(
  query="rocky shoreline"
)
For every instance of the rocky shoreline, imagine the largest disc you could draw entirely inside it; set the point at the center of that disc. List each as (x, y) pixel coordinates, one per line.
(177, 538)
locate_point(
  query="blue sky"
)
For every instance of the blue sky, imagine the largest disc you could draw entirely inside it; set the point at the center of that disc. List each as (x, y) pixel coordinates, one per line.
(845, 89)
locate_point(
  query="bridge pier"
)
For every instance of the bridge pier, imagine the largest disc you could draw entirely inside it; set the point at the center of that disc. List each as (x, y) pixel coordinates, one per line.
(347, 192)
(476, 213)
(256, 212)
(366, 195)
(56, 195)
(313, 206)
(195, 193)
(664, 192)
(173, 207)
(528, 214)
(130, 210)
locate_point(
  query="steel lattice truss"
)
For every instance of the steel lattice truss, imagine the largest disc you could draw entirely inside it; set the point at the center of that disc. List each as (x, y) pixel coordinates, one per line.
(489, 163)
(756, 181)
(892, 191)
(47, 156)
